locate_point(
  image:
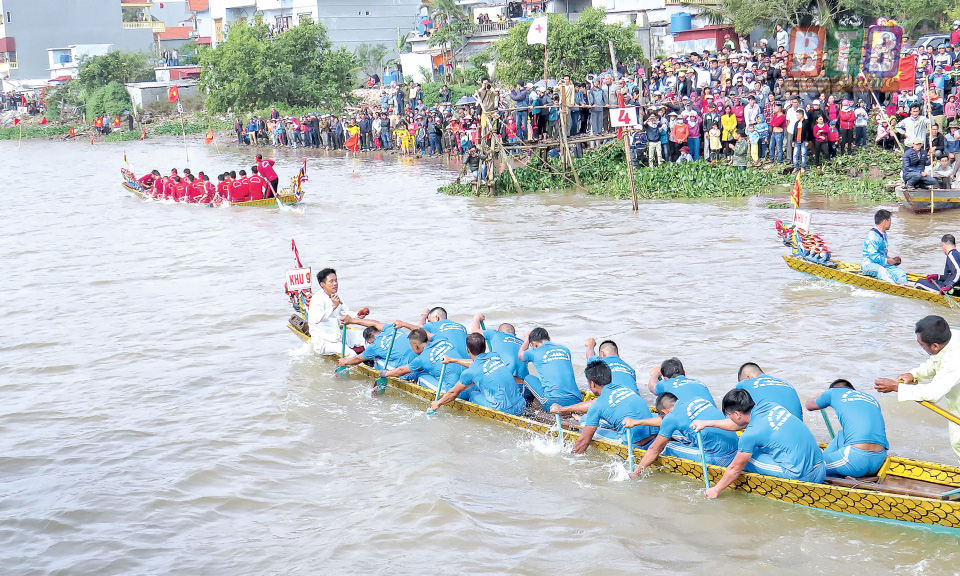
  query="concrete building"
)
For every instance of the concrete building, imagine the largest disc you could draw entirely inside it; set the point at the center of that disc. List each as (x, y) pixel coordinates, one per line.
(64, 63)
(30, 27)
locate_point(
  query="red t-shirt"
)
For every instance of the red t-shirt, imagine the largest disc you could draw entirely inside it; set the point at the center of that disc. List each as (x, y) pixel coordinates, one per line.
(820, 133)
(158, 188)
(245, 182)
(778, 121)
(238, 191)
(257, 186)
(169, 190)
(179, 191)
(265, 167)
(847, 118)
(209, 189)
(146, 181)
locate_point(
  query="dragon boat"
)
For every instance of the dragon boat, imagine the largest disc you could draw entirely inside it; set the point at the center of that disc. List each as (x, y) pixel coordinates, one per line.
(288, 196)
(812, 256)
(905, 491)
(918, 200)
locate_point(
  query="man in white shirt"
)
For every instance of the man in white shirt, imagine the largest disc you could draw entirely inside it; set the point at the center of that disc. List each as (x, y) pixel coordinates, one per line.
(942, 370)
(324, 314)
(791, 112)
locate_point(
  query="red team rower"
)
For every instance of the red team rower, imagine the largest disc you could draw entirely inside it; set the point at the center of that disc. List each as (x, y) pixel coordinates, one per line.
(259, 185)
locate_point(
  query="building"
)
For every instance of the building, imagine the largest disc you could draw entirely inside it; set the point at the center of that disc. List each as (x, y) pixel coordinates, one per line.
(348, 23)
(64, 63)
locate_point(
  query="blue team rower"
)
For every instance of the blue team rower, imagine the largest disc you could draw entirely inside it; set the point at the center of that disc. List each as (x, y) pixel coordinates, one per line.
(379, 337)
(487, 378)
(875, 261)
(945, 282)
(434, 321)
(767, 388)
(623, 374)
(614, 405)
(429, 362)
(671, 377)
(676, 438)
(555, 382)
(860, 446)
(774, 442)
(503, 341)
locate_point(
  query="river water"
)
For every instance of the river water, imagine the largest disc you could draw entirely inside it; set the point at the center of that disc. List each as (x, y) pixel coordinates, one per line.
(158, 418)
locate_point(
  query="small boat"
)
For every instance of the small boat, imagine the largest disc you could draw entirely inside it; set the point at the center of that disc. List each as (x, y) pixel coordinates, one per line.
(905, 491)
(288, 196)
(918, 200)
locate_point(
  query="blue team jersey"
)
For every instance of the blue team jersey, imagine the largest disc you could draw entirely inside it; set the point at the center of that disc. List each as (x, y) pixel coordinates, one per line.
(494, 377)
(430, 361)
(401, 354)
(676, 426)
(508, 347)
(685, 389)
(774, 431)
(875, 247)
(613, 405)
(770, 389)
(452, 332)
(623, 374)
(555, 367)
(859, 414)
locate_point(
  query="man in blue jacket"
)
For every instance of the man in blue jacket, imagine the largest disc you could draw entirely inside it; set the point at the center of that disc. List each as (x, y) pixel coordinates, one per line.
(915, 163)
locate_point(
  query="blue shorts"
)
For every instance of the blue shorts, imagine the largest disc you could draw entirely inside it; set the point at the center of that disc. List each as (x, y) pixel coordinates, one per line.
(429, 381)
(765, 464)
(849, 461)
(481, 399)
(640, 434)
(690, 452)
(535, 387)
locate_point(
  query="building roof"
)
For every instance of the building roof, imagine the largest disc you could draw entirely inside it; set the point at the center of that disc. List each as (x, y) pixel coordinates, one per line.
(176, 33)
(198, 5)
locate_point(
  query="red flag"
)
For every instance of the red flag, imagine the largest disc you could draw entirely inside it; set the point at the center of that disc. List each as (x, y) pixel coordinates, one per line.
(72, 134)
(353, 143)
(795, 196)
(116, 121)
(16, 121)
(144, 134)
(43, 120)
(92, 136)
(173, 94)
(296, 254)
(209, 138)
(907, 73)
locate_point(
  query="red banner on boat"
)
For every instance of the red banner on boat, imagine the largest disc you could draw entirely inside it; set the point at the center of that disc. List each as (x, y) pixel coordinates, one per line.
(173, 94)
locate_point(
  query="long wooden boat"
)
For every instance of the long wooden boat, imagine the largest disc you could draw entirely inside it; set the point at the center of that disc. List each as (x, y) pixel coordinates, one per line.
(288, 196)
(905, 491)
(918, 200)
(849, 273)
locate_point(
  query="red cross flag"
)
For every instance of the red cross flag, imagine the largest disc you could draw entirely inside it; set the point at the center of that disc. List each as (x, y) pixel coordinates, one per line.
(538, 31)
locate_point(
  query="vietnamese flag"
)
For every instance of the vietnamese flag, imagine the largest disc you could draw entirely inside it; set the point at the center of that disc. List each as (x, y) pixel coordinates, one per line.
(92, 136)
(209, 137)
(353, 143)
(907, 73)
(72, 134)
(43, 120)
(144, 134)
(173, 94)
(795, 196)
(116, 121)
(16, 121)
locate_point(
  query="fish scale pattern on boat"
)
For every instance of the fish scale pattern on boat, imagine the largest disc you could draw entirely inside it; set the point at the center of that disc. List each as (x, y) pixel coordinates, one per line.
(943, 513)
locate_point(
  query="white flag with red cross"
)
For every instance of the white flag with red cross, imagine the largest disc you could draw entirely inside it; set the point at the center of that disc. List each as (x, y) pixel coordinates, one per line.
(538, 31)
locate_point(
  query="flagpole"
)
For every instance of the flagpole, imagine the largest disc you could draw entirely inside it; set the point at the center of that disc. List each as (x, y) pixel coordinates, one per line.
(183, 130)
(20, 142)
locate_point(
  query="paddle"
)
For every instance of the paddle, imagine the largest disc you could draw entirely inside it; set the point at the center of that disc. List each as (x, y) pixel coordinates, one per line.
(703, 460)
(826, 420)
(443, 371)
(382, 381)
(343, 371)
(560, 429)
(948, 415)
(630, 465)
(483, 328)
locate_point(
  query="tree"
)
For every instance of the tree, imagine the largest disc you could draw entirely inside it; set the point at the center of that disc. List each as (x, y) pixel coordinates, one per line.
(444, 11)
(297, 67)
(576, 49)
(370, 57)
(115, 66)
(745, 15)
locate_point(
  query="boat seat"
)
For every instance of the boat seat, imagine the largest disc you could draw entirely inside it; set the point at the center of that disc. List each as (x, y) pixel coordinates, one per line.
(896, 485)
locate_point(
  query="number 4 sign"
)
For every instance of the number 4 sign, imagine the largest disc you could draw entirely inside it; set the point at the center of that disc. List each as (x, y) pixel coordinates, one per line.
(623, 117)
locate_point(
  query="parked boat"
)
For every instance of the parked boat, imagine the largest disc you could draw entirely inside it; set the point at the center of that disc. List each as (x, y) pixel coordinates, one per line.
(918, 199)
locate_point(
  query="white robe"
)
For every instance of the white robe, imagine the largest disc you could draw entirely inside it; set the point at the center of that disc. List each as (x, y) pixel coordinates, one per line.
(325, 331)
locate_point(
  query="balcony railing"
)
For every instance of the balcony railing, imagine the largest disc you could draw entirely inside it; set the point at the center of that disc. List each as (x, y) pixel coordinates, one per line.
(136, 3)
(693, 2)
(157, 27)
(493, 27)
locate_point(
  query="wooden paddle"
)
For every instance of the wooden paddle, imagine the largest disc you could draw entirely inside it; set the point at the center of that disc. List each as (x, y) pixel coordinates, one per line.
(946, 414)
(443, 371)
(382, 381)
(703, 460)
(343, 371)
(826, 420)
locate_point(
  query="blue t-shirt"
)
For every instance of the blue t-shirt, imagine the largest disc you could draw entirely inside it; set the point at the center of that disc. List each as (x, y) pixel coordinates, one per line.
(685, 389)
(676, 426)
(451, 331)
(555, 367)
(859, 414)
(622, 373)
(430, 361)
(494, 377)
(773, 430)
(613, 405)
(508, 347)
(769, 389)
(401, 355)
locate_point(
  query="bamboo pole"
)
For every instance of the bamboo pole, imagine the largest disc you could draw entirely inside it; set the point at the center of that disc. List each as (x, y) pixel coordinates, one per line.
(633, 187)
(929, 114)
(513, 176)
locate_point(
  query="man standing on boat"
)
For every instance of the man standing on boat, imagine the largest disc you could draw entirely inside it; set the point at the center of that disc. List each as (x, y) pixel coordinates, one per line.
(860, 446)
(266, 170)
(942, 370)
(676, 438)
(875, 261)
(614, 405)
(555, 382)
(943, 283)
(671, 377)
(774, 442)
(324, 315)
(488, 380)
(767, 388)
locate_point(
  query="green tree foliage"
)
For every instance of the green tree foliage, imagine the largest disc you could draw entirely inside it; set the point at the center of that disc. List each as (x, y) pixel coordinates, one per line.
(370, 57)
(576, 48)
(111, 99)
(295, 68)
(745, 15)
(115, 66)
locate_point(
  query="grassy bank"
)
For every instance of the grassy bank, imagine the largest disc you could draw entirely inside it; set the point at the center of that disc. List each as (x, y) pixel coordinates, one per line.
(603, 172)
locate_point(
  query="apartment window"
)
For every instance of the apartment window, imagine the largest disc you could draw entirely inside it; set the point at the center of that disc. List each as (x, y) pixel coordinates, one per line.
(8, 17)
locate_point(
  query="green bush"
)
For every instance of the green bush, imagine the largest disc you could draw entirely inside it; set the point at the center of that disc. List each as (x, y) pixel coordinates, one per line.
(111, 99)
(431, 91)
(33, 132)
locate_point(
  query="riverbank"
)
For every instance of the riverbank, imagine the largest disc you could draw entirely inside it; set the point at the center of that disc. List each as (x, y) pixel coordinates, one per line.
(864, 174)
